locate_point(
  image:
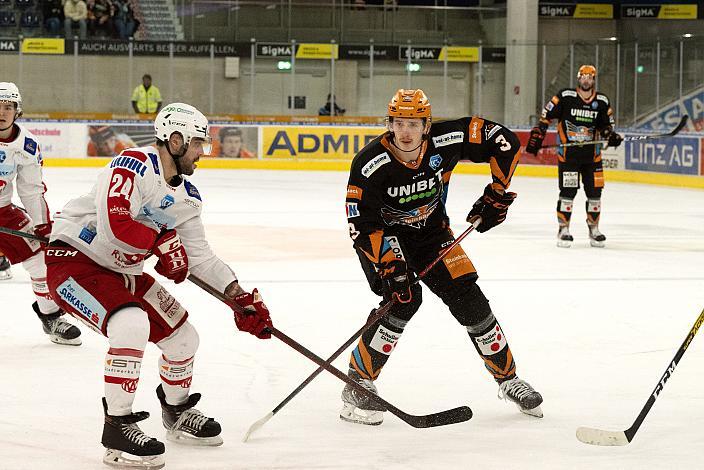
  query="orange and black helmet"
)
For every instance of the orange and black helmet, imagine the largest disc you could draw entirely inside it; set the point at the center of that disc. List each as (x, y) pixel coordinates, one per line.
(409, 104)
(586, 70)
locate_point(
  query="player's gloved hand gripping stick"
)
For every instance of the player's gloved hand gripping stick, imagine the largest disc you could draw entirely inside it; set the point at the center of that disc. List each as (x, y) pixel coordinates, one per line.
(376, 316)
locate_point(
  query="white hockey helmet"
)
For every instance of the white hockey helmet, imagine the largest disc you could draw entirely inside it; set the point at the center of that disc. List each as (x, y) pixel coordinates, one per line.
(184, 119)
(10, 93)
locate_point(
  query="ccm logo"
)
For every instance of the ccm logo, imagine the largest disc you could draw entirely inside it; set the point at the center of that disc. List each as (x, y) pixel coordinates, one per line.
(61, 252)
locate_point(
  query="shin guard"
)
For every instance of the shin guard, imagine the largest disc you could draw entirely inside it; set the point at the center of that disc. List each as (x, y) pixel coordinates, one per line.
(491, 344)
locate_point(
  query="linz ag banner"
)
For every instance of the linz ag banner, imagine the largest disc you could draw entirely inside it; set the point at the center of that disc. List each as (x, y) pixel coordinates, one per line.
(579, 10)
(319, 143)
(660, 11)
(679, 155)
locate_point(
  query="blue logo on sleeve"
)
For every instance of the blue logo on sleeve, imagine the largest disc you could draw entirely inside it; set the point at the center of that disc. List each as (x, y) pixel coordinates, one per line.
(30, 146)
(155, 162)
(435, 162)
(191, 190)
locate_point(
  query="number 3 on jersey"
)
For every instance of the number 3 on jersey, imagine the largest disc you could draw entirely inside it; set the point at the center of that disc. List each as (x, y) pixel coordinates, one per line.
(120, 185)
(505, 145)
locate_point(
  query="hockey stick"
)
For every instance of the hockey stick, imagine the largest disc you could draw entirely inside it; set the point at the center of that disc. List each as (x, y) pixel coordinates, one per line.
(378, 314)
(600, 437)
(443, 418)
(455, 415)
(672, 133)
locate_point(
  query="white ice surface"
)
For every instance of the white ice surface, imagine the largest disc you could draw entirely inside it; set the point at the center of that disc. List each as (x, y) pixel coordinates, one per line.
(591, 329)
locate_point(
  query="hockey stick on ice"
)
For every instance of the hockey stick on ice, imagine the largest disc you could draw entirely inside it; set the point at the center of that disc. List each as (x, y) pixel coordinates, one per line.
(455, 415)
(672, 133)
(378, 314)
(600, 437)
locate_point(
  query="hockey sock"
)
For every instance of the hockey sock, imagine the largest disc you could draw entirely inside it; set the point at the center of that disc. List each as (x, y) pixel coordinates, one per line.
(375, 346)
(593, 211)
(36, 268)
(491, 344)
(176, 363)
(564, 211)
(128, 332)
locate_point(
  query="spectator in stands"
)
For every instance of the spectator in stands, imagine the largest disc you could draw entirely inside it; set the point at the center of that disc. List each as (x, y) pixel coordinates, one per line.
(325, 110)
(53, 11)
(231, 144)
(146, 98)
(75, 13)
(124, 19)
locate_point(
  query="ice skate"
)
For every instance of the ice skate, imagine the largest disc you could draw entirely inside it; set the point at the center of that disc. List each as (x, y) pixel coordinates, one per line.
(596, 238)
(60, 331)
(5, 271)
(522, 394)
(358, 407)
(126, 446)
(564, 238)
(186, 425)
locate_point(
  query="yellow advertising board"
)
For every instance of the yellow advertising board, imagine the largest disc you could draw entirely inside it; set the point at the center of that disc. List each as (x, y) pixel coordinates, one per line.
(459, 54)
(42, 46)
(316, 51)
(678, 12)
(594, 11)
(317, 143)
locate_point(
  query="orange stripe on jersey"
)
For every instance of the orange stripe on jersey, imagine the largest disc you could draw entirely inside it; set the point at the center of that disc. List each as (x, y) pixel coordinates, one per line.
(458, 263)
(446, 177)
(354, 192)
(598, 179)
(475, 128)
(375, 241)
(499, 174)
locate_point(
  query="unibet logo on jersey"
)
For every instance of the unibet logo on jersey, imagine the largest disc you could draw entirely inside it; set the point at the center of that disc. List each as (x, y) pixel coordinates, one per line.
(418, 190)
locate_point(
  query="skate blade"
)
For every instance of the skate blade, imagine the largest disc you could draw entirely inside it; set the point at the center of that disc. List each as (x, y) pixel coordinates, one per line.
(119, 459)
(370, 418)
(536, 412)
(597, 244)
(183, 438)
(564, 243)
(65, 342)
(5, 275)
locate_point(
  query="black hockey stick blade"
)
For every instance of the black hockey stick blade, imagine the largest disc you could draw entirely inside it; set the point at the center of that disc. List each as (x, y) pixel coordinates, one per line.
(443, 418)
(601, 437)
(672, 133)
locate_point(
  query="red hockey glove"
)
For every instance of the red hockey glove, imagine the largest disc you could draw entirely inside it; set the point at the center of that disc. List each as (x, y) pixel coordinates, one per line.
(394, 275)
(535, 141)
(255, 319)
(173, 261)
(43, 230)
(492, 207)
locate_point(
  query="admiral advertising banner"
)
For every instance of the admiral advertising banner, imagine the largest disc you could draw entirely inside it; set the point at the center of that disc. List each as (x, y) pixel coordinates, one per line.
(320, 143)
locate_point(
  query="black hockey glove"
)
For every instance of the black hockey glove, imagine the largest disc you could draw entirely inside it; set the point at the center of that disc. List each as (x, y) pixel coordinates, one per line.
(394, 274)
(492, 207)
(615, 139)
(535, 141)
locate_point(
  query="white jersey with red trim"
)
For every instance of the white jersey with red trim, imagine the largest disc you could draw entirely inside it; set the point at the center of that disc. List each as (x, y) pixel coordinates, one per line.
(21, 165)
(117, 223)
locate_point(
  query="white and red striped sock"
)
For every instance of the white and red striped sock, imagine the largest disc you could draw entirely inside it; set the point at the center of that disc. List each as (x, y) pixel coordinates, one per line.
(176, 379)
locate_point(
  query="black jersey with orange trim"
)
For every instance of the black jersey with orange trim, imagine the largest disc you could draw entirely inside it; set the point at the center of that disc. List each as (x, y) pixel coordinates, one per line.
(386, 196)
(578, 120)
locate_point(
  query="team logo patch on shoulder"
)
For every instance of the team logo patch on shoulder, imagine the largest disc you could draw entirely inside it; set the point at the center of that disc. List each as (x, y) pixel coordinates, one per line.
(569, 93)
(491, 129)
(448, 139)
(475, 127)
(30, 146)
(191, 190)
(602, 98)
(435, 162)
(375, 163)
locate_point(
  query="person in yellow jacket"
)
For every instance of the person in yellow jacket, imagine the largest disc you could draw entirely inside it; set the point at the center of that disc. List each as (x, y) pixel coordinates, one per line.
(146, 98)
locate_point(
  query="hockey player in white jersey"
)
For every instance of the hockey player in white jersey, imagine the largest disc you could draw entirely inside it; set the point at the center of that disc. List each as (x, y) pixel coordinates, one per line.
(21, 166)
(142, 205)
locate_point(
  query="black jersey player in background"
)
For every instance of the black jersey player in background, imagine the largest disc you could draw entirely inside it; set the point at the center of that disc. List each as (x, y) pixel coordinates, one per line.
(583, 115)
(397, 219)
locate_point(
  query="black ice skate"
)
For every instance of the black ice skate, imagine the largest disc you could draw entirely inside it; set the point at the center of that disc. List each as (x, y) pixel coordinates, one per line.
(564, 238)
(126, 446)
(596, 238)
(358, 407)
(186, 425)
(60, 331)
(522, 394)
(5, 271)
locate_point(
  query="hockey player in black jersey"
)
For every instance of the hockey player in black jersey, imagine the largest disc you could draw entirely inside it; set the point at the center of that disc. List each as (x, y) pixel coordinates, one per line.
(583, 115)
(396, 213)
